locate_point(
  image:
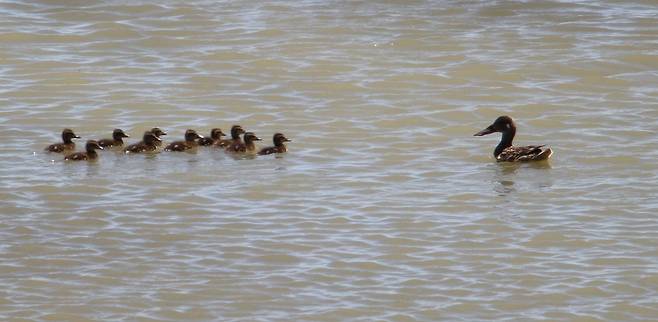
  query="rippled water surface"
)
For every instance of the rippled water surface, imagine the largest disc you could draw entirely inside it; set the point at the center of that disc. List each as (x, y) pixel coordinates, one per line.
(385, 208)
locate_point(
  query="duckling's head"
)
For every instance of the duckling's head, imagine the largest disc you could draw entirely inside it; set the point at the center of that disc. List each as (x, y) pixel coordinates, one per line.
(118, 134)
(250, 137)
(92, 145)
(191, 135)
(216, 134)
(501, 124)
(279, 139)
(236, 130)
(158, 132)
(68, 135)
(150, 138)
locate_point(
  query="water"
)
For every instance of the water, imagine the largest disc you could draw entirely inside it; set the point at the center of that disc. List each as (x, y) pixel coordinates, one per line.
(386, 206)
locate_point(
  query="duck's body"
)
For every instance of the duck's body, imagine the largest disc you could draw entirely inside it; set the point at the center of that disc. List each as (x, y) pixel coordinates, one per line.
(505, 151)
(158, 133)
(148, 144)
(67, 144)
(89, 154)
(115, 141)
(246, 146)
(190, 142)
(215, 136)
(236, 131)
(279, 145)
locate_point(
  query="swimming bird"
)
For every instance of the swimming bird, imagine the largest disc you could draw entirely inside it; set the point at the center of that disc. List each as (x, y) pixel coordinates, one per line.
(115, 141)
(279, 145)
(215, 136)
(246, 146)
(89, 154)
(158, 133)
(236, 130)
(148, 143)
(190, 142)
(67, 145)
(505, 151)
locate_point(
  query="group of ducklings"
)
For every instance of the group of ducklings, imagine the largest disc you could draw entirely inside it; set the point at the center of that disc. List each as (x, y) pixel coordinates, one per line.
(151, 142)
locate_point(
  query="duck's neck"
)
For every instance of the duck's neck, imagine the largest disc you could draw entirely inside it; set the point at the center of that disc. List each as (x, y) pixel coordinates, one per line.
(118, 139)
(67, 139)
(505, 141)
(249, 144)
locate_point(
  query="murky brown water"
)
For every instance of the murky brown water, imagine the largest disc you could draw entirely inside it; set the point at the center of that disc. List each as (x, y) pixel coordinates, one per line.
(385, 208)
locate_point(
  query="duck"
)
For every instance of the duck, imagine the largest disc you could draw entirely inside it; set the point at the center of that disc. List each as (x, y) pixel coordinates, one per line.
(246, 146)
(67, 145)
(505, 151)
(236, 131)
(190, 142)
(148, 144)
(115, 141)
(279, 147)
(89, 154)
(215, 136)
(158, 133)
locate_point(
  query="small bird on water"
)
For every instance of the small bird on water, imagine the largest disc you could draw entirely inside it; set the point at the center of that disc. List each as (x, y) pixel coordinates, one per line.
(505, 151)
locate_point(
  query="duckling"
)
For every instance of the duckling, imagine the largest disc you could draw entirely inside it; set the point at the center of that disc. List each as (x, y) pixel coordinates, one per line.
(115, 141)
(158, 133)
(67, 145)
(236, 130)
(246, 146)
(505, 151)
(279, 147)
(89, 154)
(190, 142)
(148, 143)
(215, 136)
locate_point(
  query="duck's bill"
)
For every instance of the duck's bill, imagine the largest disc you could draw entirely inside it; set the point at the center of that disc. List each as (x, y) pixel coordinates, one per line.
(486, 131)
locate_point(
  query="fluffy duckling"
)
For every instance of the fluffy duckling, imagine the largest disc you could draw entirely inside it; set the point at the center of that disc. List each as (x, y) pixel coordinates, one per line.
(236, 131)
(67, 144)
(246, 146)
(158, 133)
(215, 136)
(505, 151)
(190, 142)
(89, 154)
(115, 141)
(279, 145)
(149, 143)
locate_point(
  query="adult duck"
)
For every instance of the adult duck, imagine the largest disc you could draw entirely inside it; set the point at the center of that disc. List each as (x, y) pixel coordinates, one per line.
(505, 151)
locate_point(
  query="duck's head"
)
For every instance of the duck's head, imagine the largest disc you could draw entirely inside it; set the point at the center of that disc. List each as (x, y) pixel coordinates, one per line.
(158, 132)
(501, 124)
(92, 145)
(250, 137)
(191, 135)
(118, 134)
(150, 138)
(68, 135)
(236, 130)
(216, 134)
(279, 139)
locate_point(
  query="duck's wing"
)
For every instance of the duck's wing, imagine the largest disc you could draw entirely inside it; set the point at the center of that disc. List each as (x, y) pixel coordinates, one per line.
(525, 153)
(267, 150)
(177, 146)
(76, 156)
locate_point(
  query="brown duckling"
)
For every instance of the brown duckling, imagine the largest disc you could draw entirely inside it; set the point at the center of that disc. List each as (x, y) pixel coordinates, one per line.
(67, 145)
(115, 141)
(89, 154)
(148, 144)
(279, 145)
(236, 131)
(505, 151)
(246, 146)
(215, 136)
(158, 133)
(190, 142)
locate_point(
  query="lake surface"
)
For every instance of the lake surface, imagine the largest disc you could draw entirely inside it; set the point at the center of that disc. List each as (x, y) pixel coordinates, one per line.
(385, 207)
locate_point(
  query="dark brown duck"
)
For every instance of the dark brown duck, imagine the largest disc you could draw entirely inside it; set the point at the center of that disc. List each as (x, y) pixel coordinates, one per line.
(148, 144)
(279, 145)
(236, 131)
(505, 151)
(67, 145)
(115, 141)
(246, 146)
(89, 154)
(190, 142)
(158, 133)
(215, 136)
